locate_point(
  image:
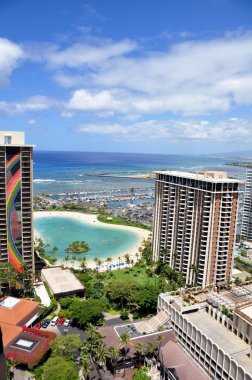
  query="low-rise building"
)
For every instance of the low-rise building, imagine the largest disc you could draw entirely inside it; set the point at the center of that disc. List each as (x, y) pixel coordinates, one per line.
(204, 335)
(22, 344)
(62, 282)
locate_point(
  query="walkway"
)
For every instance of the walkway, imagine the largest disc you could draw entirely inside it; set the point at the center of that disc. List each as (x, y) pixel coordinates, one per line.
(41, 291)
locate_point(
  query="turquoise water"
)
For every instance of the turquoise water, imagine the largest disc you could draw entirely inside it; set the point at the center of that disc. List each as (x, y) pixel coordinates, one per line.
(103, 242)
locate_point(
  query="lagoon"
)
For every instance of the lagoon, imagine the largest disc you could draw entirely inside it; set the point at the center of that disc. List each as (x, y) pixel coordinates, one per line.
(62, 228)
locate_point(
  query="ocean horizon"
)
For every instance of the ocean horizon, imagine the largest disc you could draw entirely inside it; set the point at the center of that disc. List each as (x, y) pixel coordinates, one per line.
(67, 172)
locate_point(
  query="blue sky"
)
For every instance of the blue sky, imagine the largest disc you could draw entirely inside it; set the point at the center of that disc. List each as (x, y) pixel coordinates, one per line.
(163, 76)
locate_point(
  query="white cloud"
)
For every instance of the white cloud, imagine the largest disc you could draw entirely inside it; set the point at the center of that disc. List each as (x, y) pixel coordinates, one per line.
(87, 54)
(190, 78)
(32, 104)
(32, 121)
(230, 130)
(10, 56)
(83, 100)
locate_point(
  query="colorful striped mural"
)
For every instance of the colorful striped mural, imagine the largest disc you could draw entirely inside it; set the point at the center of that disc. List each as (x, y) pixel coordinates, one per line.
(13, 182)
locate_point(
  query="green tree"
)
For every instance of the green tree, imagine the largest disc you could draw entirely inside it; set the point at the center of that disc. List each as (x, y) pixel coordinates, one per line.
(121, 291)
(25, 277)
(159, 340)
(109, 259)
(58, 368)
(140, 374)
(54, 252)
(150, 349)
(66, 259)
(237, 281)
(113, 355)
(146, 299)
(140, 347)
(89, 311)
(86, 366)
(124, 340)
(8, 275)
(127, 258)
(83, 263)
(66, 346)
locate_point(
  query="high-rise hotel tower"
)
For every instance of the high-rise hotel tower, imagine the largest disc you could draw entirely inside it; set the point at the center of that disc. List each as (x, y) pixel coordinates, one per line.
(246, 230)
(195, 224)
(16, 176)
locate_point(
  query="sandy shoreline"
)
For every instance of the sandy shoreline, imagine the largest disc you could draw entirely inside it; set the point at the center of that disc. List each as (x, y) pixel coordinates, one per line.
(90, 219)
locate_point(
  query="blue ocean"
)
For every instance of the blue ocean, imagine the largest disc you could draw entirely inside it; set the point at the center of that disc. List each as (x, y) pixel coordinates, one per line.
(65, 173)
(75, 172)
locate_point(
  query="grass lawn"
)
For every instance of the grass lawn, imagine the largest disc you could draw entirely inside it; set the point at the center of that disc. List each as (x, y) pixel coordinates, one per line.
(121, 221)
(137, 274)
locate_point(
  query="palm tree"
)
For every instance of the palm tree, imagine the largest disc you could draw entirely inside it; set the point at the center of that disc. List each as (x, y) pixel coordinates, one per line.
(124, 340)
(140, 347)
(73, 259)
(101, 355)
(159, 340)
(127, 258)
(66, 258)
(150, 349)
(96, 260)
(53, 252)
(86, 367)
(108, 261)
(83, 263)
(113, 355)
(99, 262)
(132, 263)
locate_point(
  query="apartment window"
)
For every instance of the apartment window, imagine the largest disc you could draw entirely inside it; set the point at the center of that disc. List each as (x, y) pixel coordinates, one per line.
(7, 140)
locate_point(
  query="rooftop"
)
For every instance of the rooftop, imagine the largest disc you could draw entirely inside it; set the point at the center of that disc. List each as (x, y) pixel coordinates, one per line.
(61, 280)
(16, 311)
(9, 332)
(174, 356)
(247, 311)
(112, 337)
(12, 138)
(208, 176)
(9, 302)
(225, 339)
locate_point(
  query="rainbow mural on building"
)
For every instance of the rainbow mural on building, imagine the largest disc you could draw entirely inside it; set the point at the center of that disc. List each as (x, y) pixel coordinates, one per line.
(14, 229)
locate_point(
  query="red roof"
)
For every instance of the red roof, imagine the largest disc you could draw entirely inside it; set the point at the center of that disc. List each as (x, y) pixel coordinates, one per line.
(20, 314)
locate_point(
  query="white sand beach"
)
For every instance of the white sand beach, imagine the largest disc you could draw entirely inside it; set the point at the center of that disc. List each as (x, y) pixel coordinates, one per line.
(90, 219)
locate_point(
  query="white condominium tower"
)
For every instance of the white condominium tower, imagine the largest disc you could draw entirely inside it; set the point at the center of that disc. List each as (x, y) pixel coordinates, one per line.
(16, 181)
(246, 230)
(195, 224)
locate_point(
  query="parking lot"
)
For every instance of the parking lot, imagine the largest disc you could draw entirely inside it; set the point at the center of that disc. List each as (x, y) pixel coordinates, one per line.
(62, 330)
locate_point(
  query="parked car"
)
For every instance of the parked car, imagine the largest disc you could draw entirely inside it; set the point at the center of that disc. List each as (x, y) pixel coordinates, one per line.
(54, 321)
(45, 323)
(38, 325)
(61, 321)
(67, 322)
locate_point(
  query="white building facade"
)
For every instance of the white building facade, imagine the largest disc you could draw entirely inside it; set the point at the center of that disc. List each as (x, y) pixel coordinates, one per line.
(195, 224)
(246, 230)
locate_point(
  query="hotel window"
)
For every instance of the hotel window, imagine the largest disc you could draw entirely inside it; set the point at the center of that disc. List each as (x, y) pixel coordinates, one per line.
(7, 140)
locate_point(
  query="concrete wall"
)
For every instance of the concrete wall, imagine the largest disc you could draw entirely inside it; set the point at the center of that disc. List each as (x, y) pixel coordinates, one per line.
(16, 138)
(210, 356)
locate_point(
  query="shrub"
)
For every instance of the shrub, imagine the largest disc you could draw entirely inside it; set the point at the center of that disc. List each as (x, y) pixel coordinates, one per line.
(124, 315)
